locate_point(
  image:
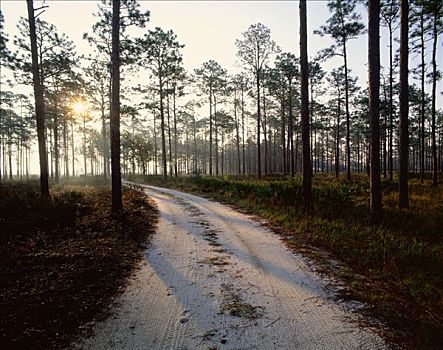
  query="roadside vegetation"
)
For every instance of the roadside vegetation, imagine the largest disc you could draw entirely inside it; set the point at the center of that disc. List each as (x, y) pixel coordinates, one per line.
(63, 258)
(395, 267)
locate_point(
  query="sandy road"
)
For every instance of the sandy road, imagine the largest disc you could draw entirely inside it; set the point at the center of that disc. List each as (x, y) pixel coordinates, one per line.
(214, 278)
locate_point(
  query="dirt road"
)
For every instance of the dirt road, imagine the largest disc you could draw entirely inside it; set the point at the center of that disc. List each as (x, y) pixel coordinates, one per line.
(214, 278)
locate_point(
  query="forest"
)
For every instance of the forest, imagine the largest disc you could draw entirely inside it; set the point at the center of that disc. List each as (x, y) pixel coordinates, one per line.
(345, 169)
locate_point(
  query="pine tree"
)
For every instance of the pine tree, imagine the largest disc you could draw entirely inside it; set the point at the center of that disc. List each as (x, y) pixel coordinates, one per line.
(389, 17)
(160, 53)
(255, 49)
(343, 26)
(288, 65)
(210, 78)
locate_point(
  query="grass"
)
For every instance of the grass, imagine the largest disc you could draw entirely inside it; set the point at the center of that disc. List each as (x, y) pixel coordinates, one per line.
(64, 258)
(396, 267)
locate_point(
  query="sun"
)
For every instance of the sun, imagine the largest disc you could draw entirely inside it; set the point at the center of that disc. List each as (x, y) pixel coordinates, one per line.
(79, 107)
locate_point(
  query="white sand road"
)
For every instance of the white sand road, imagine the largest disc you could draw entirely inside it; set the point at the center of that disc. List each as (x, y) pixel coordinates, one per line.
(214, 278)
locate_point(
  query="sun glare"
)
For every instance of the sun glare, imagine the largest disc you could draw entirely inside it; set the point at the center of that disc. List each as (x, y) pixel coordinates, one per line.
(79, 107)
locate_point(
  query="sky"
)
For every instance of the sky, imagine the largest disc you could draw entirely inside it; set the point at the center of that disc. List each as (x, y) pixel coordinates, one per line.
(208, 29)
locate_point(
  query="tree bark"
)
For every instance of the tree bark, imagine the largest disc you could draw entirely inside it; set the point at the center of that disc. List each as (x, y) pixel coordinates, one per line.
(162, 126)
(403, 199)
(391, 109)
(374, 106)
(258, 72)
(307, 166)
(434, 86)
(117, 206)
(39, 104)
(210, 131)
(348, 127)
(422, 107)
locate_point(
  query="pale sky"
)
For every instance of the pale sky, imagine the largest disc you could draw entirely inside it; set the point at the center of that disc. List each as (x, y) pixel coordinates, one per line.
(209, 28)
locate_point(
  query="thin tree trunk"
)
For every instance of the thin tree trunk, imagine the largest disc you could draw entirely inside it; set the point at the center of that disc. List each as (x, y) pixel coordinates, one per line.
(283, 141)
(237, 133)
(175, 132)
(56, 142)
(168, 110)
(162, 126)
(73, 149)
(292, 159)
(348, 127)
(403, 199)
(258, 123)
(39, 104)
(243, 128)
(216, 137)
(434, 86)
(422, 109)
(104, 138)
(210, 131)
(391, 108)
(337, 143)
(307, 167)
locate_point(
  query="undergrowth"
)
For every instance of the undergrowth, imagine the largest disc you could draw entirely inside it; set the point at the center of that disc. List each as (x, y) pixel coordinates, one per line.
(62, 259)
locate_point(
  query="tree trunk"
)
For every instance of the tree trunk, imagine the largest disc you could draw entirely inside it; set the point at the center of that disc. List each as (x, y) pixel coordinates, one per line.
(117, 206)
(56, 141)
(292, 159)
(258, 72)
(307, 167)
(65, 147)
(216, 136)
(337, 142)
(237, 133)
(243, 128)
(105, 143)
(162, 126)
(39, 104)
(73, 149)
(403, 199)
(434, 86)
(84, 143)
(283, 141)
(423, 106)
(265, 137)
(391, 110)
(348, 127)
(210, 131)
(168, 109)
(374, 106)
(175, 132)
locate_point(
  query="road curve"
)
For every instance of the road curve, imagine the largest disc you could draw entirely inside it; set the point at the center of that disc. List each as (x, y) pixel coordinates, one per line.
(214, 278)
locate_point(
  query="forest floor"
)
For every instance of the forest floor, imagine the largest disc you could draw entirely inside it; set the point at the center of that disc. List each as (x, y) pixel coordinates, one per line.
(395, 268)
(62, 260)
